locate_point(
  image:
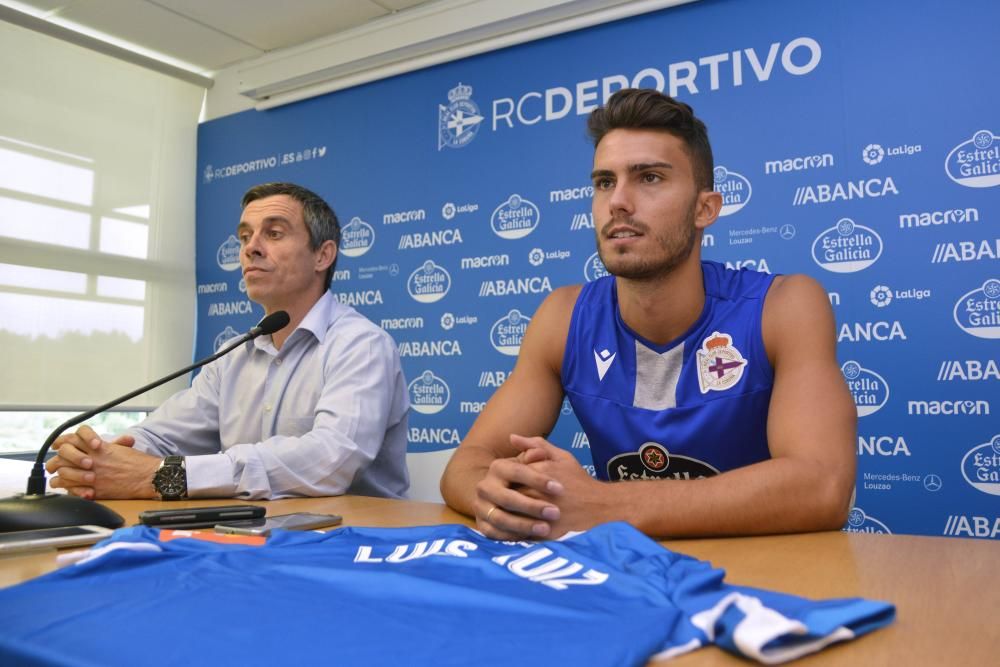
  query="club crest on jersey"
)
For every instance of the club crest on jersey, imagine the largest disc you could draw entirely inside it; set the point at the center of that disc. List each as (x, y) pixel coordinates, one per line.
(720, 365)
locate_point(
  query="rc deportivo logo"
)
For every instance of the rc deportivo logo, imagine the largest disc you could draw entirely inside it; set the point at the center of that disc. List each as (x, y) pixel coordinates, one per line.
(458, 122)
(720, 364)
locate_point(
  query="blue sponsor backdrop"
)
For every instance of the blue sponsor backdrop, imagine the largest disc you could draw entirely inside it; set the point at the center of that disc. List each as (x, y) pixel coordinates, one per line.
(856, 142)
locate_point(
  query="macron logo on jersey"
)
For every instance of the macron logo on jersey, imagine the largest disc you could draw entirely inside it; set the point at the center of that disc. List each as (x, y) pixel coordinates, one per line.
(604, 359)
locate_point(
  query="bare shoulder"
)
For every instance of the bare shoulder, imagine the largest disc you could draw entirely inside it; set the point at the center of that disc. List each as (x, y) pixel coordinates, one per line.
(545, 339)
(797, 313)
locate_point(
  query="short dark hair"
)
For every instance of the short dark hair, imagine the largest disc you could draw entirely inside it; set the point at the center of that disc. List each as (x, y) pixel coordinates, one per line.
(647, 109)
(321, 221)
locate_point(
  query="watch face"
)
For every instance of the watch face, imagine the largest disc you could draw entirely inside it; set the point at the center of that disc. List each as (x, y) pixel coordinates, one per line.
(171, 481)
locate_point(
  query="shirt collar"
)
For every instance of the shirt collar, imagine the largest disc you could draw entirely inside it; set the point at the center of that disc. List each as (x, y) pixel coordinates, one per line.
(316, 322)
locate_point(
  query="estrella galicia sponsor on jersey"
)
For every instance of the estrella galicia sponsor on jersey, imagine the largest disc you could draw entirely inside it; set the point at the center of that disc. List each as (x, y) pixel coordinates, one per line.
(847, 247)
(978, 312)
(653, 461)
(869, 389)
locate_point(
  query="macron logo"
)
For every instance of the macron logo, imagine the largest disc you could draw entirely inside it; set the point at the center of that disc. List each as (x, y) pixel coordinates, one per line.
(604, 360)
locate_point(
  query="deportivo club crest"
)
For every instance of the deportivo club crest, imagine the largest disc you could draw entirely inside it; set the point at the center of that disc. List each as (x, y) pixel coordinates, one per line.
(458, 122)
(720, 365)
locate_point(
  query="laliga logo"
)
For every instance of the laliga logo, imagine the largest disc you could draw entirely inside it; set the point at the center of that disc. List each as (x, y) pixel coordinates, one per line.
(429, 394)
(873, 154)
(880, 296)
(507, 333)
(458, 122)
(515, 218)
(226, 335)
(847, 248)
(734, 188)
(978, 312)
(976, 162)
(859, 522)
(536, 257)
(429, 283)
(594, 268)
(356, 238)
(981, 467)
(228, 256)
(869, 389)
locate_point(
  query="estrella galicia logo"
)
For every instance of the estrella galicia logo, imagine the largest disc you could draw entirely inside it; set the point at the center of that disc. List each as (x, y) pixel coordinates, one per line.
(734, 188)
(356, 238)
(869, 389)
(507, 333)
(458, 122)
(429, 283)
(515, 218)
(978, 312)
(847, 248)
(209, 173)
(243, 285)
(653, 461)
(981, 467)
(225, 336)
(859, 522)
(594, 268)
(975, 163)
(228, 255)
(429, 394)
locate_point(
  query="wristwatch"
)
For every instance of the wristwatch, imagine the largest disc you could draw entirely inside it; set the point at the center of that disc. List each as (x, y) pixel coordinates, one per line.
(170, 480)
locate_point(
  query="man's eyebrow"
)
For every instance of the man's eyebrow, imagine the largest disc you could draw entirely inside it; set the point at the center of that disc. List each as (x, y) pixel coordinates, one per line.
(643, 166)
(271, 219)
(601, 172)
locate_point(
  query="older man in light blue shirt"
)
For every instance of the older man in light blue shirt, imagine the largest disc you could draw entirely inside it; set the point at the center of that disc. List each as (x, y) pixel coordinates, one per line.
(318, 408)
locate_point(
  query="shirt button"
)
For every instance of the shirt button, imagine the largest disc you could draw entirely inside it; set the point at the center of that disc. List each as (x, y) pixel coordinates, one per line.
(267, 408)
(277, 362)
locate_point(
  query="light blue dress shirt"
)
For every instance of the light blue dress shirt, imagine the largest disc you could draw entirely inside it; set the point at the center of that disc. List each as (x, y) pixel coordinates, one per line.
(324, 415)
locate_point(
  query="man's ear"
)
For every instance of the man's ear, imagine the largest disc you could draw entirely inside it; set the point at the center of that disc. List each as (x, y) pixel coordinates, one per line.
(325, 255)
(707, 208)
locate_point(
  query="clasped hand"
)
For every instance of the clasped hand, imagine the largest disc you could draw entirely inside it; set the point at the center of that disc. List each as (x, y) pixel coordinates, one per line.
(90, 467)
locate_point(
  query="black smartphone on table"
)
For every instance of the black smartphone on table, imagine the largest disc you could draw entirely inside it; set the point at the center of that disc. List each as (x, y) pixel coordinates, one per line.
(200, 517)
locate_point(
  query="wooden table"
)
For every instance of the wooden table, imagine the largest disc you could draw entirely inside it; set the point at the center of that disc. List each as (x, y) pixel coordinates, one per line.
(946, 590)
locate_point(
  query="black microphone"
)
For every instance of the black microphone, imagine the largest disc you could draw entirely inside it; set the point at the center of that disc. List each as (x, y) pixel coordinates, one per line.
(38, 509)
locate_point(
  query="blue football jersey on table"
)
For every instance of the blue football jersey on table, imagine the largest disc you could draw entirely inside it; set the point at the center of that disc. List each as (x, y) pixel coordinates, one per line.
(694, 407)
(433, 595)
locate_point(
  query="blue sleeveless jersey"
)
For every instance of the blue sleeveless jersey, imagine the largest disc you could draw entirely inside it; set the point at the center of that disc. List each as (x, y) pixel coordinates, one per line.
(694, 407)
(433, 595)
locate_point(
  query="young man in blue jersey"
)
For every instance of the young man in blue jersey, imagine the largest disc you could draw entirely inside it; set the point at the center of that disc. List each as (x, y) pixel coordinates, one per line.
(318, 408)
(712, 398)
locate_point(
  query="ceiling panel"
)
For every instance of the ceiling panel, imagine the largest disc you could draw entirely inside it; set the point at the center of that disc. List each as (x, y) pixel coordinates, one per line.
(153, 27)
(270, 25)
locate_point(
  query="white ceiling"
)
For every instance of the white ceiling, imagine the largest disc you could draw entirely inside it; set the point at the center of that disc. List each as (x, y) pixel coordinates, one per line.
(209, 35)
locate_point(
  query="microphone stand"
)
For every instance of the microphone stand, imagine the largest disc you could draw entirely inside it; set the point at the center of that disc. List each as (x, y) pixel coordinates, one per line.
(38, 509)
